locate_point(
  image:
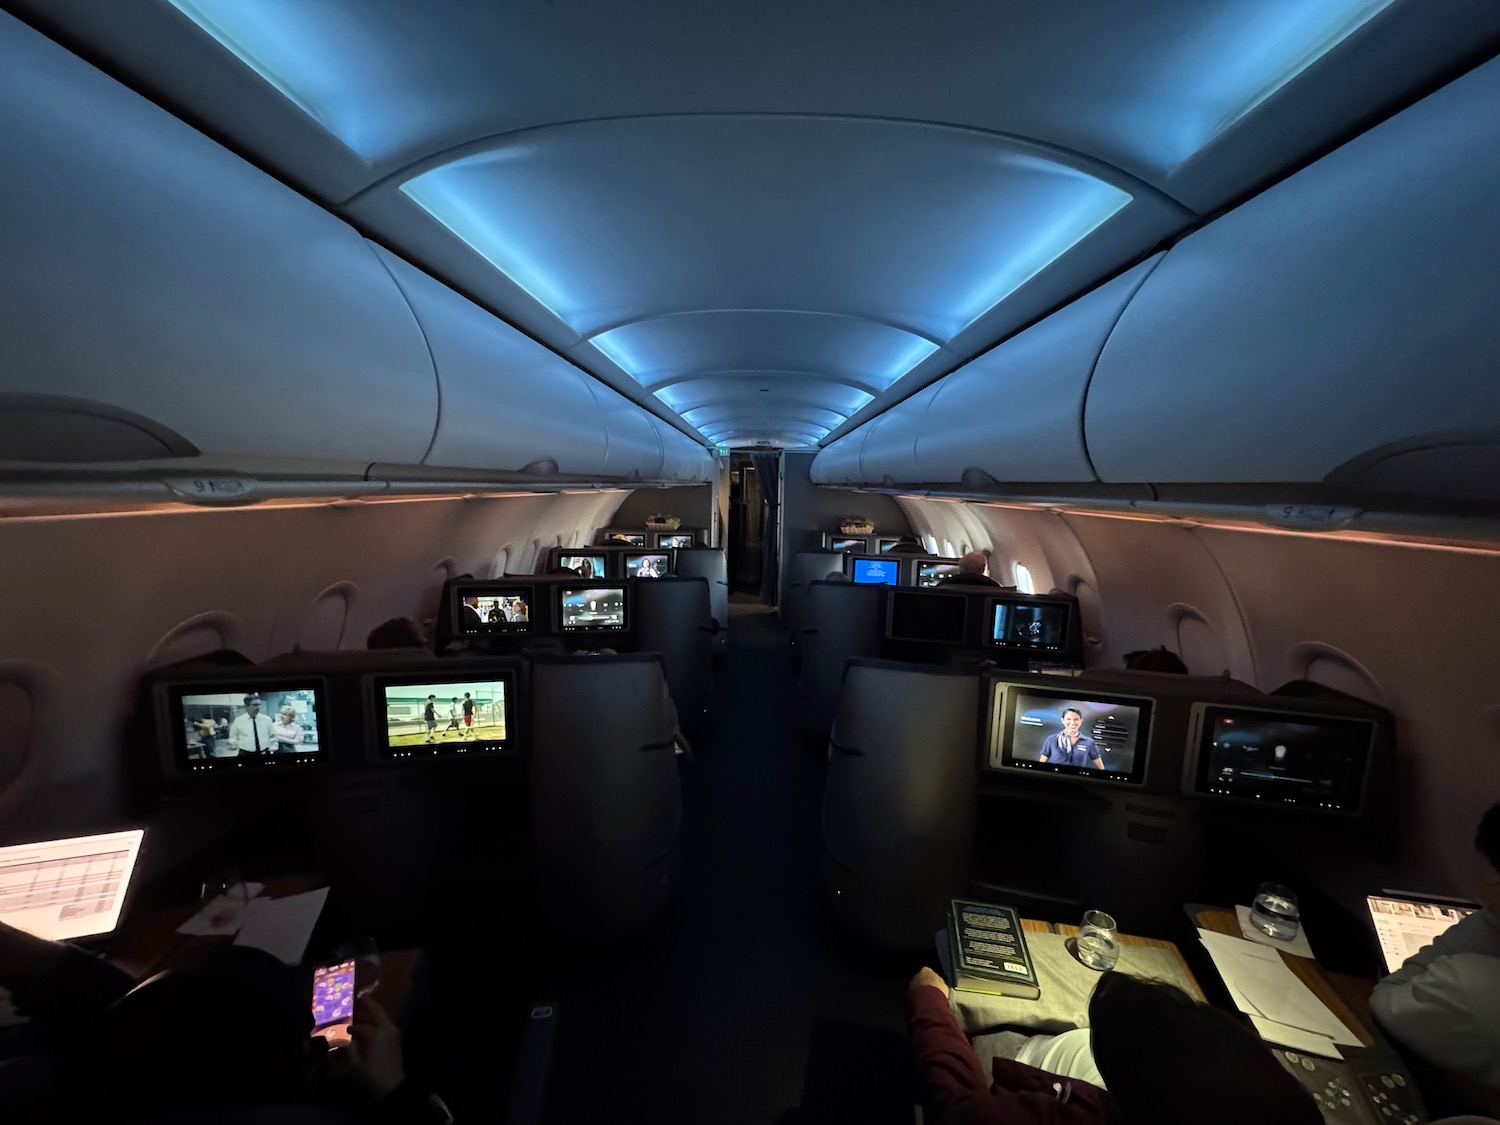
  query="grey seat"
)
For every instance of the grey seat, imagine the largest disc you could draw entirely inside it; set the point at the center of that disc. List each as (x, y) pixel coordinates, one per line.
(606, 804)
(841, 620)
(899, 806)
(673, 618)
(807, 567)
(709, 563)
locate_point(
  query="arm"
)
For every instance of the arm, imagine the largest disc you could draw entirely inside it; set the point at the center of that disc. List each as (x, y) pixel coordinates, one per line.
(1445, 1012)
(54, 982)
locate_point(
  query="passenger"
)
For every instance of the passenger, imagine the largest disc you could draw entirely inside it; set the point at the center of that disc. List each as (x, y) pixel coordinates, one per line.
(1444, 1002)
(123, 1050)
(398, 632)
(1160, 659)
(971, 572)
(907, 545)
(1164, 1058)
(836, 576)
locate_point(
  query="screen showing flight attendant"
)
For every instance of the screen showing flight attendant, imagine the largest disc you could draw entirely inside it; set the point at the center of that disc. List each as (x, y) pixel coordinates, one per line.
(1046, 731)
(654, 565)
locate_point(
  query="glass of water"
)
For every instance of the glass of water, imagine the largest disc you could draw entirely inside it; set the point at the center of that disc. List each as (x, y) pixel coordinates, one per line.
(1098, 941)
(1275, 912)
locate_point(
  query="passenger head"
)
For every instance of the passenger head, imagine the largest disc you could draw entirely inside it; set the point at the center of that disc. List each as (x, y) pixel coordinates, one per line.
(908, 542)
(1160, 659)
(836, 576)
(228, 1026)
(1487, 840)
(973, 563)
(1169, 1060)
(398, 632)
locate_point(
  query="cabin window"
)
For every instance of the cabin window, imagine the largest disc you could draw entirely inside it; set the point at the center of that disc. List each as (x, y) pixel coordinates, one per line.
(1023, 578)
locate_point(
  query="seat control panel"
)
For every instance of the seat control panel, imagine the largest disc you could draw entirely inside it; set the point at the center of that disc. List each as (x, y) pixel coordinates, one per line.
(1364, 1090)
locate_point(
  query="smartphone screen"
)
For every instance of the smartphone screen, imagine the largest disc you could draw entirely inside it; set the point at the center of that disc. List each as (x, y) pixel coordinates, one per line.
(333, 1001)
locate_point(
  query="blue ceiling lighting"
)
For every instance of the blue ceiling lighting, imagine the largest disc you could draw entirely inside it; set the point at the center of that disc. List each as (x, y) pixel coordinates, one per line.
(1250, 53)
(318, 57)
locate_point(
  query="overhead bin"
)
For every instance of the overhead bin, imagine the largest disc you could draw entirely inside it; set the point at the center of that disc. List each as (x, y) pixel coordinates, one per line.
(1013, 414)
(1339, 327)
(683, 459)
(149, 270)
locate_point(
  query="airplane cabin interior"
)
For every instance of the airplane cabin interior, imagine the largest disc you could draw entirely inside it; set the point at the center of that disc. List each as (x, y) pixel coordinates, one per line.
(600, 528)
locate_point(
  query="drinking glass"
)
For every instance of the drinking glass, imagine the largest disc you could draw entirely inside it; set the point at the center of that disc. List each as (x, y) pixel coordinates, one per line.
(1275, 912)
(365, 953)
(225, 897)
(1098, 941)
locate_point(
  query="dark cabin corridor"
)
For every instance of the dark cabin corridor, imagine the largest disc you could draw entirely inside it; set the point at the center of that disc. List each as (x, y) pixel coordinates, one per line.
(737, 1007)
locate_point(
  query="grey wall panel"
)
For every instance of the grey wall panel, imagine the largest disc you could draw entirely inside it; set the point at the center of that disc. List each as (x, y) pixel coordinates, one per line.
(149, 269)
(1347, 313)
(507, 401)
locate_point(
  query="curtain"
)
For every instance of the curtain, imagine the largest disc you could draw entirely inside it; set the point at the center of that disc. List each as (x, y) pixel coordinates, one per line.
(768, 477)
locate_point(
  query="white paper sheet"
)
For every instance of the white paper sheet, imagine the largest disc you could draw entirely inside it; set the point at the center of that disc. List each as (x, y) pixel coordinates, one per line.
(1295, 1038)
(1261, 985)
(218, 917)
(282, 926)
(1297, 947)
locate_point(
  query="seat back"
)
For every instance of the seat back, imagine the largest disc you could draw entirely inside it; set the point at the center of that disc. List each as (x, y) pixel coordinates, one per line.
(841, 620)
(899, 806)
(710, 563)
(673, 618)
(807, 567)
(606, 805)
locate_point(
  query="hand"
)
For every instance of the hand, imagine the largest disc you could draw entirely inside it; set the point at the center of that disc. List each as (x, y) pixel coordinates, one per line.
(926, 978)
(373, 1056)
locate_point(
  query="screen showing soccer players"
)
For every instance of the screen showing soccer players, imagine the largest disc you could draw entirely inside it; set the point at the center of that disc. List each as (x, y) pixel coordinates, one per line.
(445, 718)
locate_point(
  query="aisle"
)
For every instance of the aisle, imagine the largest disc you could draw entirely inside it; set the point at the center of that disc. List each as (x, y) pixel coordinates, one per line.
(736, 1009)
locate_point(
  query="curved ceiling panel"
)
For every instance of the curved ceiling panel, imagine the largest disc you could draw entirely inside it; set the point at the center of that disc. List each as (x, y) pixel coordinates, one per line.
(921, 227)
(750, 390)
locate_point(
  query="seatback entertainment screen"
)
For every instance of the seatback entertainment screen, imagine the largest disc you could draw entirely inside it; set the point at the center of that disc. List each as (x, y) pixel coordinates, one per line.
(872, 571)
(591, 609)
(1029, 626)
(928, 618)
(253, 725)
(655, 565)
(502, 609)
(667, 540)
(1317, 762)
(437, 716)
(930, 572)
(585, 565)
(1068, 733)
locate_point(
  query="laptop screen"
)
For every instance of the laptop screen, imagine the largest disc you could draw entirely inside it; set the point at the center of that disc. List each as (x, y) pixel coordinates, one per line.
(1406, 923)
(62, 889)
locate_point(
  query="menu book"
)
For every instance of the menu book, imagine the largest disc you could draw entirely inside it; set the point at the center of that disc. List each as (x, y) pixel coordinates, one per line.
(989, 951)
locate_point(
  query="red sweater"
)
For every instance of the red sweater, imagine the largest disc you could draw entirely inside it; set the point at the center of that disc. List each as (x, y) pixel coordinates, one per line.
(958, 1092)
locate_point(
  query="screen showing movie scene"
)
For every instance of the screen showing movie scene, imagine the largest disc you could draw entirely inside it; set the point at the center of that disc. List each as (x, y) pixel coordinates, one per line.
(1092, 736)
(847, 543)
(674, 540)
(500, 610)
(592, 609)
(930, 572)
(876, 572)
(647, 566)
(932, 618)
(233, 727)
(439, 718)
(1029, 626)
(585, 566)
(626, 538)
(1302, 760)
(884, 545)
